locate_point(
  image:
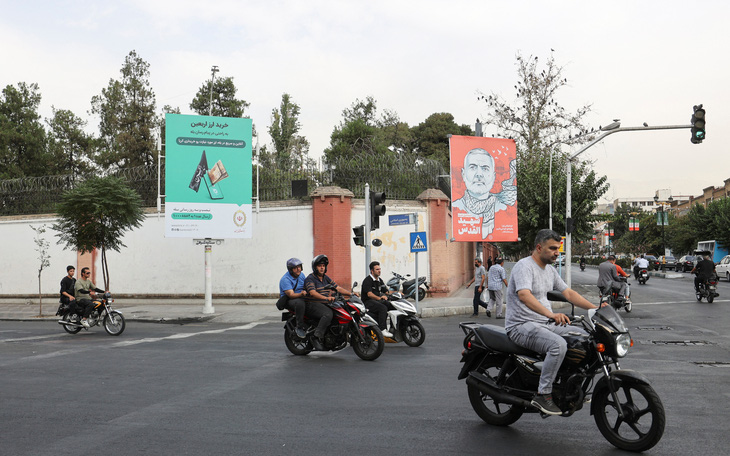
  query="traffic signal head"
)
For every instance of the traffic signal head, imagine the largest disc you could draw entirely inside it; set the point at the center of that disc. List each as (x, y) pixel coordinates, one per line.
(359, 235)
(377, 208)
(698, 125)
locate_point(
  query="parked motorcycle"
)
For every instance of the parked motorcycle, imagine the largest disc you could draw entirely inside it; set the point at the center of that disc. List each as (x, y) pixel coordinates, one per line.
(502, 378)
(113, 320)
(612, 297)
(708, 290)
(347, 326)
(409, 286)
(402, 321)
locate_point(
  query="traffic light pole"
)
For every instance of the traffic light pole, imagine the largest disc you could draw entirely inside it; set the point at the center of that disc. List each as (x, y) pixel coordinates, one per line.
(609, 130)
(367, 228)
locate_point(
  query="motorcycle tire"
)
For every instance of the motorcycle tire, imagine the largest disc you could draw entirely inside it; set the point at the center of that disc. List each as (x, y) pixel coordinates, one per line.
(710, 298)
(643, 423)
(489, 410)
(627, 307)
(114, 323)
(421, 294)
(297, 346)
(413, 333)
(373, 346)
(70, 328)
(698, 295)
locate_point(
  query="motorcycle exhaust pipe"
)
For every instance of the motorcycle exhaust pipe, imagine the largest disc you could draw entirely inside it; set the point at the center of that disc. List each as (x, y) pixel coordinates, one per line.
(488, 387)
(68, 323)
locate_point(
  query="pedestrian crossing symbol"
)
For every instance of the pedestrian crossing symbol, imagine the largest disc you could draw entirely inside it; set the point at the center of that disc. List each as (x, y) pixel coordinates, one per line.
(418, 241)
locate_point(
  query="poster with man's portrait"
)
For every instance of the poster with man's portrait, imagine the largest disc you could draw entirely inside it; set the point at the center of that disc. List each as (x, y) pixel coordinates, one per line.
(483, 189)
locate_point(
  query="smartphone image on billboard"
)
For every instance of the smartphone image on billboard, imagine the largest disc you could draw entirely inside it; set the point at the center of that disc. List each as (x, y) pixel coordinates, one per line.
(214, 190)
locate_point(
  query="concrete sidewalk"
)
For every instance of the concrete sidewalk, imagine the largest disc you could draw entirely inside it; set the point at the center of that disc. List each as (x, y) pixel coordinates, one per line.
(236, 311)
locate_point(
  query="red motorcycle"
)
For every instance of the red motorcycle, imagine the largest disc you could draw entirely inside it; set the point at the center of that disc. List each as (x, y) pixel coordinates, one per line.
(347, 326)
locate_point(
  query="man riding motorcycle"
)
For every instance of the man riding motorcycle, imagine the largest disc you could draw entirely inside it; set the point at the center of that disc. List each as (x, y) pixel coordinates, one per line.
(639, 264)
(705, 269)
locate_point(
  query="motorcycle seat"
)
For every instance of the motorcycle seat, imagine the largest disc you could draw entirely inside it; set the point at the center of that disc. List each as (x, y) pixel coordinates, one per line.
(496, 338)
(408, 283)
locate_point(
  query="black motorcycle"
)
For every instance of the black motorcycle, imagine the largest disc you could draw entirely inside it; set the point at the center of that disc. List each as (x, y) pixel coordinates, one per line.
(707, 289)
(502, 378)
(103, 313)
(611, 297)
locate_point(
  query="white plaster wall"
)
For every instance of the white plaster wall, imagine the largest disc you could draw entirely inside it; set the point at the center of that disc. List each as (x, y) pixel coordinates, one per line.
(395, 253)
(153, 264)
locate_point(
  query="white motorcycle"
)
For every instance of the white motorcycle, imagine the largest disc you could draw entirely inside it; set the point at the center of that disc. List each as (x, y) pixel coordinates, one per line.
(402, 321)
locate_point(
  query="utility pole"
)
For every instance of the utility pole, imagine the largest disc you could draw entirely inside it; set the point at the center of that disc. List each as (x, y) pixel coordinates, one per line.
(213, 70)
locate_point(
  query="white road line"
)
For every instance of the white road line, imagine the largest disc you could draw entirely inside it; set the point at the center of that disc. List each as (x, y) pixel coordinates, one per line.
(127, 343)
(24, 339)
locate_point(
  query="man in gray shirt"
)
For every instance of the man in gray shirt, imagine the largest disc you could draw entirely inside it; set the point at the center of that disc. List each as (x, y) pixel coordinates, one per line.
(608, 279)
(496, 277)
(528, 312)
(480, 276)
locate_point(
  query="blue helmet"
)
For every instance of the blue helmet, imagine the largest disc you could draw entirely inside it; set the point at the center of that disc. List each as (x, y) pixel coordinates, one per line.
(292, 263)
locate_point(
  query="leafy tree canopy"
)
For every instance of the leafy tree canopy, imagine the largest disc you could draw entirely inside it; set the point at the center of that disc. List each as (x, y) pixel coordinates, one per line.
(22, 136)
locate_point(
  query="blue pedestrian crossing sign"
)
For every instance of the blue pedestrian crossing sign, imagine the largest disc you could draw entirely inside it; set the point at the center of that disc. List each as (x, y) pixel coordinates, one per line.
(418, 242)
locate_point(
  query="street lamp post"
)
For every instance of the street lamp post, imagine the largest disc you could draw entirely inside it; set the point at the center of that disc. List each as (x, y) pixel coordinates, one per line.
(662, 218)
(213, 70)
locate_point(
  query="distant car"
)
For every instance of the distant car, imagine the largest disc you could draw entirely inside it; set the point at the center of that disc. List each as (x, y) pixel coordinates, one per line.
(560, 260)
(723, 268)
(653, 262)
(686, 263)
(668, 263)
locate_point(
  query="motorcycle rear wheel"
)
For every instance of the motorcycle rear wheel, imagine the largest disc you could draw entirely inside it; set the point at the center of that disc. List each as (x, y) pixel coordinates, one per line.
(297, 346)
(489, 410)
(373, 346)
(643, 423)
(710, 298)
(114, 323)
(69, 328)
(627, 308)
(413, 333)
(421, 294)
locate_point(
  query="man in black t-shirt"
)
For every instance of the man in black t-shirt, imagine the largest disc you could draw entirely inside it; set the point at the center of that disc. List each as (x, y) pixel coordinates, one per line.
(67, 288)
(705, 269)
(375, 298)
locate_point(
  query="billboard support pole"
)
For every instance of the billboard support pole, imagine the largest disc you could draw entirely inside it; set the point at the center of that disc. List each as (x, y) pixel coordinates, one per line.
(208, 307)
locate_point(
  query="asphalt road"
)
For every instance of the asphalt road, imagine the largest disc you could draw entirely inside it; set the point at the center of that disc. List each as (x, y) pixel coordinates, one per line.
(224, 389)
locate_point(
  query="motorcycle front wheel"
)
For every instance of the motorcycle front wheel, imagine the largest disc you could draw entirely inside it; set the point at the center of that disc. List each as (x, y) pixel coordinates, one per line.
(297, 346)
(488, 409)
(698, 296)
(643, 423)
(372, 347)
(114, 323)
(70, 328)
(413, 333)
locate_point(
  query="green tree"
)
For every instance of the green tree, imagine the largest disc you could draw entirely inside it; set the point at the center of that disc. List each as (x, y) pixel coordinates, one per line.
(96, 214)
(291, 150)
(128, 122)
(356, 133)
(431, 136)
(718, 212)
(225, 103)
(71, 148)
(540, 126)
(22, 136)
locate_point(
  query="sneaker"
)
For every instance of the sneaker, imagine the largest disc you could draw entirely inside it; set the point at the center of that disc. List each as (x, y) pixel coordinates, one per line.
(301, 333)
(474, 315)
(500, 317)
(544, 402)
(85, 323)
(317, 343)
(489, 314)
(387, 333)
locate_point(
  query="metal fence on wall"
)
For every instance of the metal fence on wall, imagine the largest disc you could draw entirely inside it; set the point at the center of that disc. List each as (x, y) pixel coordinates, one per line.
(39, 195)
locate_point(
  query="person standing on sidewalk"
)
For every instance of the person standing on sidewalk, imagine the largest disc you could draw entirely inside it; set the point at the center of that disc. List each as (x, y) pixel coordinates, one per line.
(480, 275)
(497, 277)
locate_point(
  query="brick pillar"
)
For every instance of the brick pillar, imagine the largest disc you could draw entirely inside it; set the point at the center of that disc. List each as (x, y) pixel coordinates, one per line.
(449, 262)
(331, 211)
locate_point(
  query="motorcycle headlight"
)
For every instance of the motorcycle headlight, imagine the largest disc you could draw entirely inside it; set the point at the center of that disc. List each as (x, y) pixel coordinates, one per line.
(623, 342)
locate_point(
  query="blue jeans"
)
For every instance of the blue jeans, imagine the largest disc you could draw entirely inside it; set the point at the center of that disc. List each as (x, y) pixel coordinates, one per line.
(544, 338)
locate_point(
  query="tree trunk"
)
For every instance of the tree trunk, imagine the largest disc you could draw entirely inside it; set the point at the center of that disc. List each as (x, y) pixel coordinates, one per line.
(40, 295)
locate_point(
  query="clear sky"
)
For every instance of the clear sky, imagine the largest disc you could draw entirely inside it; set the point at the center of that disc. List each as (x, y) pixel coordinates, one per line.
(638, 61)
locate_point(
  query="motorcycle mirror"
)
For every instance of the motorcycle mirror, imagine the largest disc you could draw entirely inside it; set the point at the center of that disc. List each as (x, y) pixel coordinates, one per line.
(377, 242)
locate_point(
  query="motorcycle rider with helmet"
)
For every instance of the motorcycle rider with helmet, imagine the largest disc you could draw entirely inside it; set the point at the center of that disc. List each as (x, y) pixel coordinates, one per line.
(292, 293)
(317, 296)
